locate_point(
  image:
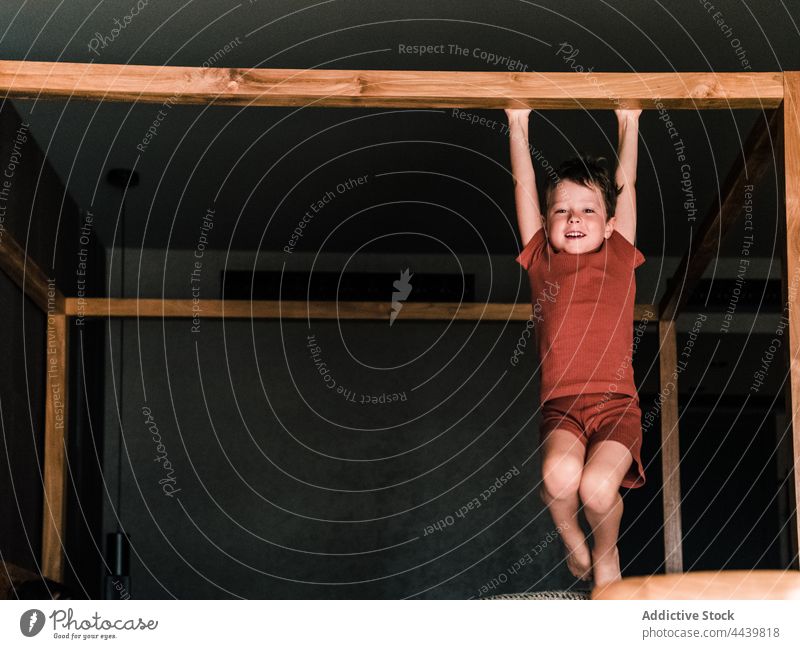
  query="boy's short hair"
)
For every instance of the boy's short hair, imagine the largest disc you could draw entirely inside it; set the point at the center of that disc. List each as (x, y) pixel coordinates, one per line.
(586, 170)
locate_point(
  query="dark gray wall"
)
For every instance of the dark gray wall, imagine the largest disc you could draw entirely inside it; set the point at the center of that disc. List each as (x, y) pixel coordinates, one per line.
(22, 426)
(287, 490)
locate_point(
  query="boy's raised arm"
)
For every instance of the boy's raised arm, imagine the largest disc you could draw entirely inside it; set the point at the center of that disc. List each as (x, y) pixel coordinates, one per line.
(625, 176)
(526, 197)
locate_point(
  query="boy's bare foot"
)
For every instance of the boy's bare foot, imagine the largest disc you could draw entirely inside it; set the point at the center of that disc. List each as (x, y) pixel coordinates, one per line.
(606, 567)
(579, 561)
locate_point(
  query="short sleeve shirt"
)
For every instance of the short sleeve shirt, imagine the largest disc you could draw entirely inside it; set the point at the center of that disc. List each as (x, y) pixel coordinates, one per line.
(583, 315)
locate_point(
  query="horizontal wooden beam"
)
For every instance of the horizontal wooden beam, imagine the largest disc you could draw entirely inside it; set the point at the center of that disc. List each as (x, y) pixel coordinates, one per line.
(388, 88)
(26, 274)
(300, 309)
(752, 162)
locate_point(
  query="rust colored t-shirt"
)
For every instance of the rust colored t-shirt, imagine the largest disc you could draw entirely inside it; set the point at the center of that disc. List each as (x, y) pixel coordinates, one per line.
(583, 315)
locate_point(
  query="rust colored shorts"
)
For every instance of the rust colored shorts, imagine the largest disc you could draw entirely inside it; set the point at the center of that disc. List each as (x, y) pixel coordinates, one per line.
(597, 417)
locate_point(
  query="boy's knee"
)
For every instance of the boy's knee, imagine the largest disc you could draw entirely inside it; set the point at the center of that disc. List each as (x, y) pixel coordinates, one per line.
(561, 478)
(598, 493)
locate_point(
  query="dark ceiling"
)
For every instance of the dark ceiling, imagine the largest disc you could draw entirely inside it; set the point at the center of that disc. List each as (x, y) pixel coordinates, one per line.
(428, 173)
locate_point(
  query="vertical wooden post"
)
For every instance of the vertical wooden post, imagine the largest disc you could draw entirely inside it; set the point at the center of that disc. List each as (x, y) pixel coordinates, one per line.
(670, 446)
(55, 445)
(791, 272)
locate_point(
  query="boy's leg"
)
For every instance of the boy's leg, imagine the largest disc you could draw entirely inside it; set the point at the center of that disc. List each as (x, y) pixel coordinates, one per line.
(606, 465)
(562, 466)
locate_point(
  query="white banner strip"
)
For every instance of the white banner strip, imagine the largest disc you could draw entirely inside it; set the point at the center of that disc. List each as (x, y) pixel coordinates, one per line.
(401, 624)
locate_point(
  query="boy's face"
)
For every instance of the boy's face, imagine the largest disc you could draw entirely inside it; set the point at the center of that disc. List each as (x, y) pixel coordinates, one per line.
(578, 211)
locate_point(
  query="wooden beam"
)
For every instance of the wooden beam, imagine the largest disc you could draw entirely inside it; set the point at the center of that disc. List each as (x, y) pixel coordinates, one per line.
(712, 584)
(300, 309)
(670, 446)
(749, 168)
(790, 271)
(26, 274)
(387, 88)
(55, 447)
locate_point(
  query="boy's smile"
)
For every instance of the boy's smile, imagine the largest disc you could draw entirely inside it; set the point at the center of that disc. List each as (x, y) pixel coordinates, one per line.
(576, 220)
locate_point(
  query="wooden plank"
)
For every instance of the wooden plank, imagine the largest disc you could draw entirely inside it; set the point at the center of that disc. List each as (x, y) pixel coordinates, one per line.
(388, 88)
(55, 444)
(26, 274)
(300, 309)
(748, 169)
(790, 271)
(670, 446)
(726, 584)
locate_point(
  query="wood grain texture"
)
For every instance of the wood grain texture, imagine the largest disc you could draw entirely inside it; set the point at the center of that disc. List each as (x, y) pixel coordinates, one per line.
(728, 584)
(26, 274)
(300, 309)
(55, 447)
(758, 154)
(670, 447)
(791, 276)
(388, 88)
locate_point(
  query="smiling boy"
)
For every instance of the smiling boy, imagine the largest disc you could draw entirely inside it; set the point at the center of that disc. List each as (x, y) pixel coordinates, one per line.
(591, 422)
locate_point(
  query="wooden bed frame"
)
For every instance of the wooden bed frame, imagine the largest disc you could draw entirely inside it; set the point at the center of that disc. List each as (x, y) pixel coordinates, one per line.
(777, 94)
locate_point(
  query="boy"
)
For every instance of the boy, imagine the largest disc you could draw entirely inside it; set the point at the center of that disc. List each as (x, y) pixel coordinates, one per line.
(582, 252)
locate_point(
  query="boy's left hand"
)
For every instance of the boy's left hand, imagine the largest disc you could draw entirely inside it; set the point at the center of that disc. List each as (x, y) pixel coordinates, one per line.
(622, 113)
